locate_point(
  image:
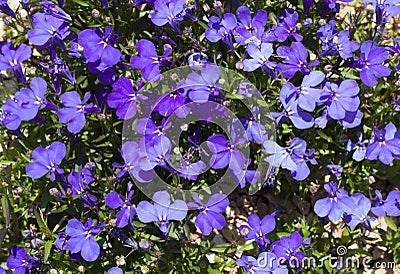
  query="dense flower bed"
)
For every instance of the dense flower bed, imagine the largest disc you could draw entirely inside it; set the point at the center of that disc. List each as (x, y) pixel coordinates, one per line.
(131, 124)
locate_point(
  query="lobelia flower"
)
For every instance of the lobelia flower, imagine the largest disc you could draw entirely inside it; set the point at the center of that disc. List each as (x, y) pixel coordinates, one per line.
(2, 271)
(56, 69)
(282, 156)
(20, 262)
(61, 241)
(267, 262)
(48, 27)
(306, 95)
(259, 58)
(357, 212)
(46, 160)
(385, 146)
(286, 248)
(78, 187)
(127, 213)
(334, 205)
(257, 229)
(52, 9)
(335, 170)
(115, 270)
(285, 28)
(389, 207)
(9, 115)
(168, 12)
(371, 63)
(74, 112)
(5, 8)
(238, 167)
(248, 28)
(98, 49)
(162, 211)
(148, 61)
(11, 58)
(188, 169)
(344, 46)
(292, 111)
(359, 148)
(384, 9)
(210, 216)
(125, 97)
(202, 86)
(120, 235)
(82, 239)
(222, 29)
(326, 34)
(168, 103)
(301, 159)
(295, 59)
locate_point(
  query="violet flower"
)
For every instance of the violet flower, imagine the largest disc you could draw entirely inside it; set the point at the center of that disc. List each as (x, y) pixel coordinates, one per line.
(221, 29)
(20, 262)
(357, 212)
(168, 12)
(127, 212)
(249, 28)
(11, 58)
(389, 207)
(257, 229)
(259, 58)
(286, 27)
(5, 8)
(286, 248)
(385, 146)
(266, 262)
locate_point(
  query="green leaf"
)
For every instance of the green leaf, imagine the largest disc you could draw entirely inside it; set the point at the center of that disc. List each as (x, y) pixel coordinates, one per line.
(390, 223)
(82, 3)
(42, 223)
(47, 249)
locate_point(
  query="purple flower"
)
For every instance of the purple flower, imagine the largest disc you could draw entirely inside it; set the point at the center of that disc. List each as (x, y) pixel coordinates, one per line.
(46, 160)
(238, 167)
(222, 29)
(259, 58)
(162, 211)
(334, 205)
(210, 213)
(341, 99)
(295, 60)
(257, 229)
(82, 239)
(286, 247)
(74, 112)
(357, 212)
(370, 63)
(168, 103)
(389, 207)
(5, 8)
(148, 61)
(52, 9)
(127, 213)
(358, 147)
(301, 159)
(2, 271)
(115, 270)
(335, 170)
(384, 146)
(286, 27)
(20, 262)
(282, 156)
(11, 58)
(78, 187)
(384, 9)
(61, 241)
(48, 27)
(124, 98)
(266, 262)
(9, 115)
(168, 12)
(248, 28)
(56, 69)
(292, 111)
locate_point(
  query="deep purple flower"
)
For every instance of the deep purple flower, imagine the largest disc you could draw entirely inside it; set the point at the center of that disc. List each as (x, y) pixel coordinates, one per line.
(48, 27)
(127, 213)
(266, 263)
(221, 29)
(385, 145)
(285, 28)
(61, 241)
(82, 239)
(389, 207)
(52, 9)
(335, 204)
(371, 63)
(162, 211)
(257, 229)
(259, 58)
(295, 60)
(248, 28)
(357, 212)
(384, 9)
(168, 12)
(359, 147)
(78, 186)
(98, 47)
(168, 103)
(46, 160)
(57, 68)
(11, 58)
(286, 247)
(20, 262)
(74, 112)
(124, 98)
(148, 61)
(210, 216)
(5, 8)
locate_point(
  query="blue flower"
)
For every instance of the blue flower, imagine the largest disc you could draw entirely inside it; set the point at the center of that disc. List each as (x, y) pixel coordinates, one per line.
(259, 58)
(359, 148)
(20, 262)
(357, 212)
(148, 61)
(210, 216)
(11, 58)
(74, 112)
(335, 204)
(78, 186)
(82, 239)
(285, 28)
(266, 262)
(5, 8)
(168, 12)
(52, 9)
(286, 248)
(249, 29)
(127, 213)
(292, 111)
(46, 160)
(222, 29)
(384, 146)
(162, 211)
(257, 229)
(56, 69)
(335, 170)
(389, 207)
(115, 270)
